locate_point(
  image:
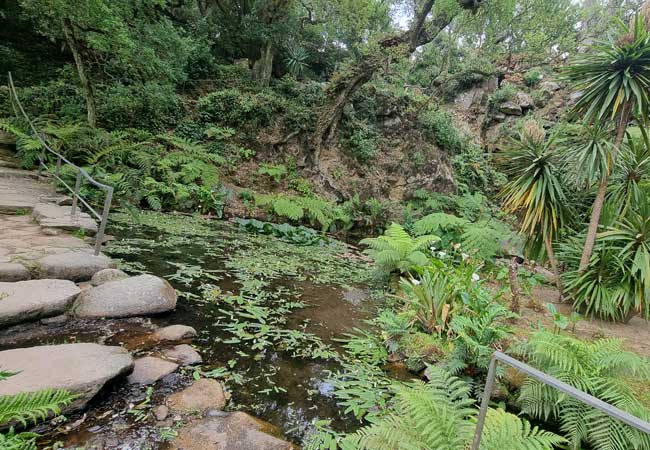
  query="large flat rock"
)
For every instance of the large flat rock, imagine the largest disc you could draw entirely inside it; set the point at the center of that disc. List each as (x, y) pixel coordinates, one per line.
(75, 266)
(234, 431)
(13, 271)
(202, 395)
(25, 301)
(51, 215)
(149, 369)
(79, 368)
(135, 296)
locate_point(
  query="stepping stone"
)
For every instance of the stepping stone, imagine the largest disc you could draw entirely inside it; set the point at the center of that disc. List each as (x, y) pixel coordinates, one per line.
(135, 296)
(24, 301)
(51, 215)
(106, 275)
(234, 431)
(149, 369)
(13, 272)
(79, 368)
(75, 266)
(183, 354)
(175, 333)
(202, 395)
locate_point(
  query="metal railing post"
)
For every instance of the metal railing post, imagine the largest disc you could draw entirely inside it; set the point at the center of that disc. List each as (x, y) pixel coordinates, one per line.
(77, 188)
(58, 167)
(102, 224)
(485, 402)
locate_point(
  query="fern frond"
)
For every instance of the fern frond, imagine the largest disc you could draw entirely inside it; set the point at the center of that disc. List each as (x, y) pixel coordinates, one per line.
(32, 406)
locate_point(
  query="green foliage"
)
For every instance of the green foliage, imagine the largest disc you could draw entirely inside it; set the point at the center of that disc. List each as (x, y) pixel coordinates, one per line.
(397, 251)
(296, 60)
(362, 143)
(275, 171)
(504, 94)
(295, 235)
(440, 127)
(602, 369)
(533, 77)
(33, 406)
(236, 108)
(440, 415)
(313, 210)
(18, 441)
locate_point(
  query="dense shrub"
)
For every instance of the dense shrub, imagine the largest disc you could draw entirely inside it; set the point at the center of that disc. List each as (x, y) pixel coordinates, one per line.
(362, 143)
(149, 106)
(533, 77)
(505, 93)
(236, 108)
(58, 98)
(440, 126)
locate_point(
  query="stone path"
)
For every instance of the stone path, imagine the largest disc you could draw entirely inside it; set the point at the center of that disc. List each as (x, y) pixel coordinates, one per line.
(34, 219)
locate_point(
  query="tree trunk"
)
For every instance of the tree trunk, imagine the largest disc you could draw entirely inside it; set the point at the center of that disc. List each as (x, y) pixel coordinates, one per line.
(513, 272)
(554, 265)
(86, 85)
(347, 83)
(597, 207)
(263, 67)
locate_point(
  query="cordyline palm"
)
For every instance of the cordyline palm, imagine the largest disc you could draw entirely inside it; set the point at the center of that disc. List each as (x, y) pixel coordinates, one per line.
(615, 84)
(534, 190)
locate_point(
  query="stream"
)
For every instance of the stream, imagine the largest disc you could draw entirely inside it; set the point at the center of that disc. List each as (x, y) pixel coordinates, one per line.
(267, 312)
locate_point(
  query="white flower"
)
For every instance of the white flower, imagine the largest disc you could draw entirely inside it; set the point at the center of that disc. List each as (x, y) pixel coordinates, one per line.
(441, 254)
(415, 281)
(464, 256)
(475, 277)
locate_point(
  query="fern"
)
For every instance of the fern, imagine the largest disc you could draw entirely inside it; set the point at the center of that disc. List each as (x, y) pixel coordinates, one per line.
(601, 368)
(439, 221)
(32, 406)
(441, 415)
(18, 441)
(396, 250)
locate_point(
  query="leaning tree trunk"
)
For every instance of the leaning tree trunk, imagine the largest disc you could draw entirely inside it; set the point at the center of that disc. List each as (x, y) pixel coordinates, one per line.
(597, 207)
(554, 265)
(347, 83)
(86, 85)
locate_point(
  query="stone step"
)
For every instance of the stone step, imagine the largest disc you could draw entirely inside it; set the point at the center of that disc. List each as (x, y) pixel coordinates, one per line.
(25, 301)
(8, 172)
(81, 369)
(51, 215)
(75, 266)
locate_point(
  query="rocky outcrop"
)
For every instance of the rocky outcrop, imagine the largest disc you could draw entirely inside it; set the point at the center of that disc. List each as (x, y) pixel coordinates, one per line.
(135, 296)
(549, 86)
(234, 431)
(525, 101)
(25, 301)
(75, 266)
(511, 108)
(82, 369)
(148, 370)
(106, 275)
(204, 394)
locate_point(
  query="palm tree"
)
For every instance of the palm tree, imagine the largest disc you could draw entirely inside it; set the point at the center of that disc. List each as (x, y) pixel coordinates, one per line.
(615, 84)
(534, 189)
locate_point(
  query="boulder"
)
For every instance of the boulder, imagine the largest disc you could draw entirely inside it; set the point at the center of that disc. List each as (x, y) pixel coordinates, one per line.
(525, 101)
(549, 86)
(202, 395)
(148, 370)
(135, 296)
(574, 97)
(24, 301)
(106, 275)
(510, 109)
(183, 354)
(13, 272)
(235, 431)
(174, 333)
(82, 369)
(75, 266)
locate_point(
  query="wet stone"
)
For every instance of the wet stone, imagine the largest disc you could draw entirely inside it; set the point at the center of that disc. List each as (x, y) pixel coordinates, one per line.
(75, 266)
(175, 333)
(203, 394)
(183, 354)
(148, 370)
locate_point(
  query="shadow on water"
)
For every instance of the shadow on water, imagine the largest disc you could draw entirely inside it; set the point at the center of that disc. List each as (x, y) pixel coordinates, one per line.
(287, 391)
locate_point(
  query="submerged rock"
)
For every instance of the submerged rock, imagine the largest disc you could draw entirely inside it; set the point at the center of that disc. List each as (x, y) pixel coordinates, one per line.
(25, 301)
(106, 275)
(135, 296)
(202, 395)
(148, 370)
(183, 354)
(75, 266)
(236, 431)
(174, 333)
(82, 369)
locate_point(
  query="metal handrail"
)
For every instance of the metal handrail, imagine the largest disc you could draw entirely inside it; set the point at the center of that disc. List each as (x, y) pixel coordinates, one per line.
(592, 401)
(103, 217)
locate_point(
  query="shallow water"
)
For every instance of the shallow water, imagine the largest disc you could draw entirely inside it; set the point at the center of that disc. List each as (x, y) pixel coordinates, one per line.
(288, 391)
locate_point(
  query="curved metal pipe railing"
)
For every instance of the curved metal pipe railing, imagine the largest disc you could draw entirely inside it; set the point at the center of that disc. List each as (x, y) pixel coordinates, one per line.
(81, 174)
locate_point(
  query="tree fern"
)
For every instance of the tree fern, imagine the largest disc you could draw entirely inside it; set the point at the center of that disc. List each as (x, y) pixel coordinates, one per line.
(439, 221)
(396, 250)
(601, 368)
